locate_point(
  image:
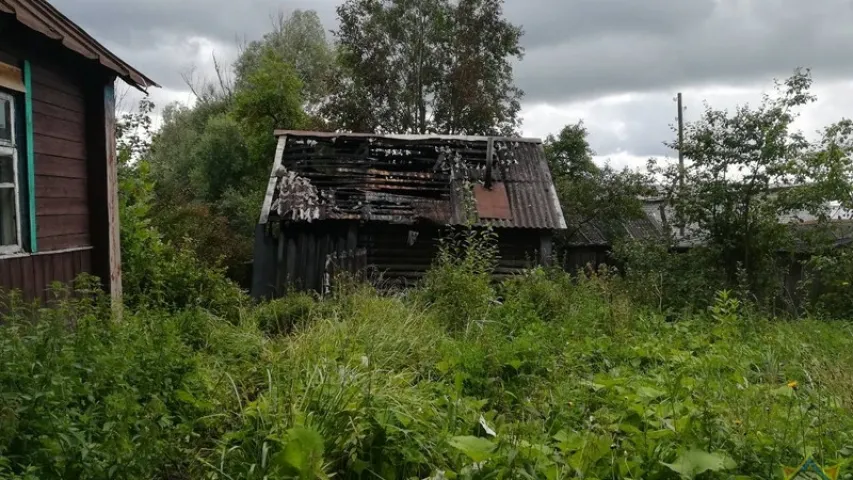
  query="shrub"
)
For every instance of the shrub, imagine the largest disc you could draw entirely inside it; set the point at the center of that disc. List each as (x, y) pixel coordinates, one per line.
(458, 288)
(281, 316)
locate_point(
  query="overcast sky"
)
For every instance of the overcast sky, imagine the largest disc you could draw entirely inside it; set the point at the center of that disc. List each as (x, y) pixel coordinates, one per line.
(615, 64)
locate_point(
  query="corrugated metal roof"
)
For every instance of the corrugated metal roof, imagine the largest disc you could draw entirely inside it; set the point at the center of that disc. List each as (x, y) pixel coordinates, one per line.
(42, 17)
(408, 178)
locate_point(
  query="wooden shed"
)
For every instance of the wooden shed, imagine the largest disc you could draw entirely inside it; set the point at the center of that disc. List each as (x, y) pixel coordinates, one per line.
(58, 186)
(349, 201)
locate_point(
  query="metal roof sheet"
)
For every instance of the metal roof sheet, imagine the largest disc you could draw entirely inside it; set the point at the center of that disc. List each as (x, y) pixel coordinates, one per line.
(41, 16)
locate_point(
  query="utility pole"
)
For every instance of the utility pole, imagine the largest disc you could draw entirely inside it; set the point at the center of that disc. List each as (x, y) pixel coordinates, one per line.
(680, 142)
(680, 150)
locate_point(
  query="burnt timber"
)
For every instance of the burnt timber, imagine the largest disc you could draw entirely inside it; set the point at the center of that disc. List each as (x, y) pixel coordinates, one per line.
(378, 204)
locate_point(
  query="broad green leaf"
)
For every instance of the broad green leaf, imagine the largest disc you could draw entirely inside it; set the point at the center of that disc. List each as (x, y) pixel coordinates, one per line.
(478, 449)
(303, 451)
(694, 462)
(649, 393)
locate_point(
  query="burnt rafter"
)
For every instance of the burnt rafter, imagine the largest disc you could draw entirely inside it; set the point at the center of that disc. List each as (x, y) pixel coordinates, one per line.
(407, 179)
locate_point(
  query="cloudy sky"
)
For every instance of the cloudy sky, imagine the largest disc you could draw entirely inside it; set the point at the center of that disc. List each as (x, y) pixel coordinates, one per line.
(615, 64)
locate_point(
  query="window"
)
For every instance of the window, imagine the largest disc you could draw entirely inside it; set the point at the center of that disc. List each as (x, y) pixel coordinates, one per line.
(10, 219)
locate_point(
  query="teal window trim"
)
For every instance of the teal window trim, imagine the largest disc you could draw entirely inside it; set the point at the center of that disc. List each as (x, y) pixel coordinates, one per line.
(30, 146)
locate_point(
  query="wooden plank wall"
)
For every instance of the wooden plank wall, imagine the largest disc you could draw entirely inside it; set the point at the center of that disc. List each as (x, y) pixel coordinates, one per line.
(392, 260)
(389, 259)
(59, 125)
(34, 274)
(63, 223)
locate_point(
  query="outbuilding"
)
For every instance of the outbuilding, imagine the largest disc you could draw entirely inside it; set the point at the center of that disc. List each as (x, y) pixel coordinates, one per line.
(380, 203)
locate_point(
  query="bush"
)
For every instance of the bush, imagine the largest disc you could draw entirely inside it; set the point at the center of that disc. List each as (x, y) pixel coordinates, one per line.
(828, 284)
(669, 281)
(458, 288)
(158, 274)
(97, 401)
(283, 315)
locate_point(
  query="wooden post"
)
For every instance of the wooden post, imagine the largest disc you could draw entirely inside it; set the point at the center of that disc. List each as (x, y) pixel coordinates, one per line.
(102, 173)
(546, 247)
(263, 267)
(680, 150)
(112, 195)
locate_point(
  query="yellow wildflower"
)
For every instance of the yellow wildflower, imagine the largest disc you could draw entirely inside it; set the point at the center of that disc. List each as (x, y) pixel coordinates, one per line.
(794, 384)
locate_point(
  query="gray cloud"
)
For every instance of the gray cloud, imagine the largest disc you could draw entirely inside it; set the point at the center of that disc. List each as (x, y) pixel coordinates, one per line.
(713, 41)
(164, 38)
(576, 51)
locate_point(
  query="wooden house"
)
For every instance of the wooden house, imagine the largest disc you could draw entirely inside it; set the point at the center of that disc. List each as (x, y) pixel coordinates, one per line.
(58, 186)
(381, 203)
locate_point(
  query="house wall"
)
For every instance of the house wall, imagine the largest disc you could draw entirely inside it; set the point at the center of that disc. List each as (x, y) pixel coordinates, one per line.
(68, 145)
(381, 251)
(576, 258)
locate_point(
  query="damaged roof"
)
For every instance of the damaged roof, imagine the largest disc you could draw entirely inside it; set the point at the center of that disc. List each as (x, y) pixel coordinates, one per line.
(41, 16)
(440, 179)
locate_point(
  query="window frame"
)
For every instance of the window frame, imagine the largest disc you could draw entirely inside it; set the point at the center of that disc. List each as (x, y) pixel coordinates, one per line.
(7, 148)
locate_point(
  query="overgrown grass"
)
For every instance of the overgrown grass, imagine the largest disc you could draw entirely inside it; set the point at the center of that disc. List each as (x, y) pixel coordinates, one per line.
(544, 376)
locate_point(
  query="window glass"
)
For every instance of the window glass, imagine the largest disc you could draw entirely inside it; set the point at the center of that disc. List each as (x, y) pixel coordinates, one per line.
(6, 119)
(7, 169)
(8, 217)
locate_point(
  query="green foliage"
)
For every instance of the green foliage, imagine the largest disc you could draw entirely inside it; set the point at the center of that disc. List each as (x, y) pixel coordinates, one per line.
(668, 281)
(828, 284)
(590, 195)
(282, 316)
(569, 154)
(445, 67)
(269, 97)
(298, 40)
(465, 263)
(543, 385)
(210, 163)
(158, 274)
(746, 171)
(101, 400)
(695, 462)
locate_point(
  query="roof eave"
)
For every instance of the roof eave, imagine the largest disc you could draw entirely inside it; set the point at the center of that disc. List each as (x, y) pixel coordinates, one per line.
(36, 15)
(424, 137)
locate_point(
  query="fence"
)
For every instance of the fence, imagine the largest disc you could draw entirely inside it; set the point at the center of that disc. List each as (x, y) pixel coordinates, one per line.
(352, 263)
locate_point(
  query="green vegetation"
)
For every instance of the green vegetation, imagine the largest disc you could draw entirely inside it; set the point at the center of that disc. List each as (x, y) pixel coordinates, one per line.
(543, 376)
(675, 365)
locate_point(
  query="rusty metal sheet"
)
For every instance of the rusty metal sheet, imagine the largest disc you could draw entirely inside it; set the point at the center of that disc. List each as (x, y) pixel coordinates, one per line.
(41, 16)
(492, 204)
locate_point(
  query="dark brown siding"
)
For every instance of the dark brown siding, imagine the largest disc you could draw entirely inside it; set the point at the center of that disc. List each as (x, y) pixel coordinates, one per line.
(390, 257)
(34, 274)
(298, 260)
(67, 90)
(59, 131)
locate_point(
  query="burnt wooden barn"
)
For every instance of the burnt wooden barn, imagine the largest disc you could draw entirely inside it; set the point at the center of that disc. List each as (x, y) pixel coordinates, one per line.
(58, 187)
(381, 203)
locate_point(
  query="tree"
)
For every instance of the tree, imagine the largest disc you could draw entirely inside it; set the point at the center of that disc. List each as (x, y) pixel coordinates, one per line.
(477, 95)
(748, 169)
(588, 193)
(270, 94)
(425, 66)
(299, 41)
(569, 153)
